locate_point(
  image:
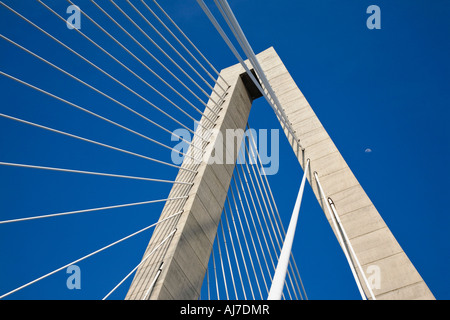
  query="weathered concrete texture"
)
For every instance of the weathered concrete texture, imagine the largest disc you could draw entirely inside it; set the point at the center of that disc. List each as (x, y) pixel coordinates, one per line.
(371, 239)
(186, 256)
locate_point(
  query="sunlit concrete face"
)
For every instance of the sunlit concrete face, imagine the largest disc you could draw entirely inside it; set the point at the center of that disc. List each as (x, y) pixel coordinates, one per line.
(186, 255)
(391, 273)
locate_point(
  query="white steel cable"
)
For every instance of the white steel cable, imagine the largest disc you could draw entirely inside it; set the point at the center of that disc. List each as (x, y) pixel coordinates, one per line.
(90, 210)
(11, 164)
(265, 212)
(254, 228)
(255, 191)
(162, 51)
(87, 256)
(341, 241)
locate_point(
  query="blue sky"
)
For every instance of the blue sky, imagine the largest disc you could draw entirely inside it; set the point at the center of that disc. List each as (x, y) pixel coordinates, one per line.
(386, 90)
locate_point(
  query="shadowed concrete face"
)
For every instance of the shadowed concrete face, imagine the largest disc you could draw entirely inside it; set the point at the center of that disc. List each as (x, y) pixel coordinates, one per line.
(186, 255)
(383, 260)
